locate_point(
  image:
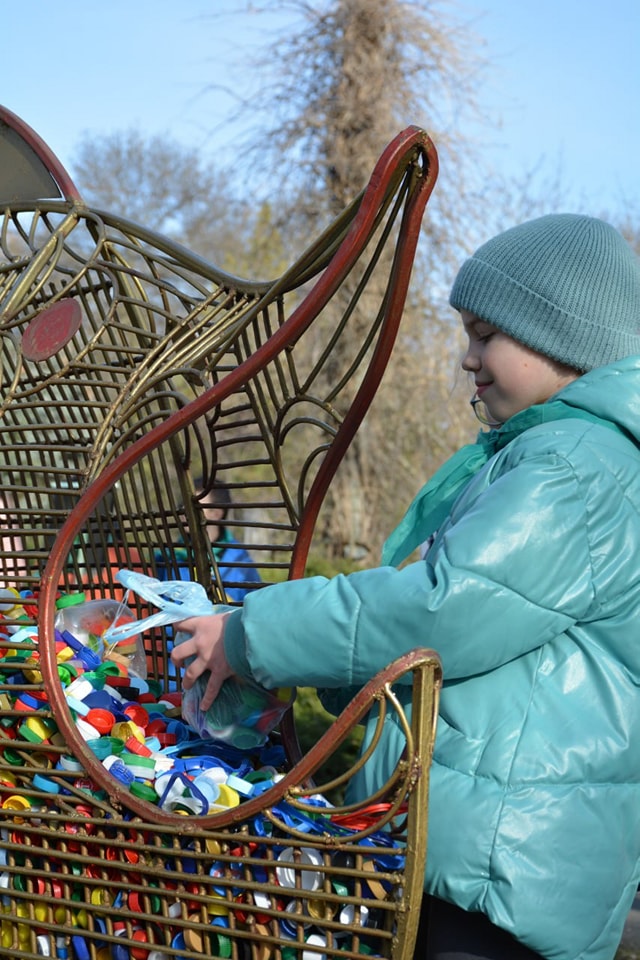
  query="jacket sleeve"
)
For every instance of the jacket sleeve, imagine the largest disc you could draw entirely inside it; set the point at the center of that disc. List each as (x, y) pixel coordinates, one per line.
(509, 570)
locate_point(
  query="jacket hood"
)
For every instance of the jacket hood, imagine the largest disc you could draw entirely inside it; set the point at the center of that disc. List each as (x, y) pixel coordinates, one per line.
(611, 392)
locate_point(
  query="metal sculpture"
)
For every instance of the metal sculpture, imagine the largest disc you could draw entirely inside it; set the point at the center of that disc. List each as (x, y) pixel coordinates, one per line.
(130, 369)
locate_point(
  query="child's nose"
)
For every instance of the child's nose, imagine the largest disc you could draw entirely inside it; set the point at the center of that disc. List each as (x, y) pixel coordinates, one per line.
(470, 361)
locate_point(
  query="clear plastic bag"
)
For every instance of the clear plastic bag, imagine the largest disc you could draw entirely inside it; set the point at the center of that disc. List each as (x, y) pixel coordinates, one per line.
(88, 621)
(244, 713)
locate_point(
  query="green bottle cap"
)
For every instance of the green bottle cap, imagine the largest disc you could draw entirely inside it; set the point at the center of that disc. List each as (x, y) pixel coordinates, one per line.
(143, 792)
(70, 600)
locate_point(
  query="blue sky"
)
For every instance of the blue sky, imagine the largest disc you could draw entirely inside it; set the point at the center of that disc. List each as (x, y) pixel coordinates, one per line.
(563, 90)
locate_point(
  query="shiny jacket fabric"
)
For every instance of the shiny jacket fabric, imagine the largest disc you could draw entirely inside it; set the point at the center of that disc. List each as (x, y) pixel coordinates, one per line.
(531, 595)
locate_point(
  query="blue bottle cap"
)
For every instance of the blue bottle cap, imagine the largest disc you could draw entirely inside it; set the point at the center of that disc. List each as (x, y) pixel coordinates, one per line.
(100, 699)
(90, 659)
(80, 947)
(64, 636)
(43, 783)
(119, 770)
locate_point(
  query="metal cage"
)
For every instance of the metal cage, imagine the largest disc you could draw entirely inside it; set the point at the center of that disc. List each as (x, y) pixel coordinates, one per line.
(131, 368)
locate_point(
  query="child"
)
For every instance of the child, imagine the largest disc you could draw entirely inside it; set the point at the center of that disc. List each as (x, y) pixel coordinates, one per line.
(530, 592)
(236, 568)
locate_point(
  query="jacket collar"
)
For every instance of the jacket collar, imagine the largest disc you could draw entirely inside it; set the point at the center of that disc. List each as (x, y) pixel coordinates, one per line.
(433, 503)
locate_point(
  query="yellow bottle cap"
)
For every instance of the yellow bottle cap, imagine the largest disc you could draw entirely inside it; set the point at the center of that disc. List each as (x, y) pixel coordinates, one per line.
(228, 797)
(18, 803)
(213, 846)
(125, 729)
(217, 906)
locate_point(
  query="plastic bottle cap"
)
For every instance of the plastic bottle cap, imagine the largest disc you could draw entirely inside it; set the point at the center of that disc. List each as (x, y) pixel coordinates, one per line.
(64, 675)
(118, 770)
(350, 914)
(209, 790)
(141, 685)
(222, 947)
(78, 706)
(215, 773)
(316, 940)
(134, 760)
(133, 745)
(23, 633)
(265, 902)
(79, 688)
(193, 937)
(309, 879)
(125, 729)
(243, 787)
(70, 600)
(293, 915)
(45, 784)
(102, 720)
(163, 764)
(217, 905)
(24, 702)
(18, 803)
(144, 791)
(89, 658)
(99, 747)
(86, 730)
(108, 761)
(67, 637)
(9, 594)
(37, 729)
(69, 763)
(137, 714)
(376, 887)
(226, 798)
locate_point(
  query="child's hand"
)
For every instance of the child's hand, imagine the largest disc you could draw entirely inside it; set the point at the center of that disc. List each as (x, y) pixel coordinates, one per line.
(206, 646)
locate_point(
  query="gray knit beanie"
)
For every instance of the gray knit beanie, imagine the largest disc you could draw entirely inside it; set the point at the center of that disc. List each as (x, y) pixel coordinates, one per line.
(565, 285)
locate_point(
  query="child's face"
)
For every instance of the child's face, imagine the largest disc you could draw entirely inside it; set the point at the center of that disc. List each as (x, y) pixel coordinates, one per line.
(508, 376)
(213, 515)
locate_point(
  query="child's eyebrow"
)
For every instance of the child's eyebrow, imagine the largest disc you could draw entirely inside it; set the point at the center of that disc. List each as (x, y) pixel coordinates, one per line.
(471, 326)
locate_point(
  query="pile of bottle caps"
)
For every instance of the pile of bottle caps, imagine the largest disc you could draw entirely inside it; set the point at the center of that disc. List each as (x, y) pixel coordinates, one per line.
(136, 731)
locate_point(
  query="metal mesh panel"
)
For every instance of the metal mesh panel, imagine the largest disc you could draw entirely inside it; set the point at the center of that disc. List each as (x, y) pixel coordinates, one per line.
(130, 369)
(77, 867)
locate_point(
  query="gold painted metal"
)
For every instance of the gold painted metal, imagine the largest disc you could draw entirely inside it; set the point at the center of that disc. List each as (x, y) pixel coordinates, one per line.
(129, 368)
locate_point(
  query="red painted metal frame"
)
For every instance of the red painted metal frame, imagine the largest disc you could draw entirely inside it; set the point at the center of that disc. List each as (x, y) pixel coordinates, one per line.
(397, 155)
(47, 157)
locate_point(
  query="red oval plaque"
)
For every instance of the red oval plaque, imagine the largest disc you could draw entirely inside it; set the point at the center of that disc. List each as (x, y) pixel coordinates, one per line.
(51, 329)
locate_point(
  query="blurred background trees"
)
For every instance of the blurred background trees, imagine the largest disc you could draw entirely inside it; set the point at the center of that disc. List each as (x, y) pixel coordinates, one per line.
(327, 98)
(329, 95)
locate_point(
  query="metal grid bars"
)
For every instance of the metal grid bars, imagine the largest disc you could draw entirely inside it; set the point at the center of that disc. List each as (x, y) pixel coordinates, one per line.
(141, 388)
(284, 879)
(108, 330)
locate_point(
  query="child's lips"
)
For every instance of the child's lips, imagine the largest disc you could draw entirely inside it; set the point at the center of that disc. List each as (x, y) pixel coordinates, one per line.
(481, 387)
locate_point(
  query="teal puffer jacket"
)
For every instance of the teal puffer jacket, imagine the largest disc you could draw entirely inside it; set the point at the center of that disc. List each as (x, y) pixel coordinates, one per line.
(531, 595)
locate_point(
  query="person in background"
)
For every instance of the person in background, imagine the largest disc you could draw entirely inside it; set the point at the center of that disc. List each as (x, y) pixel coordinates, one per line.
(529, 591)
(235, 564)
